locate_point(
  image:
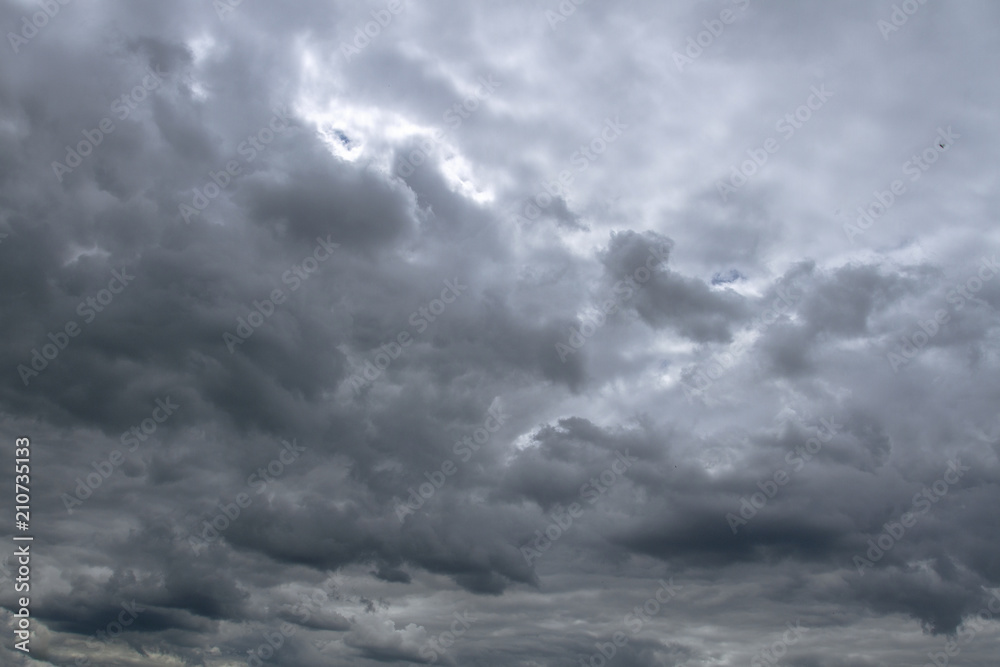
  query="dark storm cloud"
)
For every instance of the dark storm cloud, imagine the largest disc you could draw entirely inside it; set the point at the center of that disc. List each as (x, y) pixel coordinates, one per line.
(206, 207)
(688, 305)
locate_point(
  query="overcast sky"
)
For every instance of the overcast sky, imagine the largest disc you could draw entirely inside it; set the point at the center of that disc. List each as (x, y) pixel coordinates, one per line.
(528, 334)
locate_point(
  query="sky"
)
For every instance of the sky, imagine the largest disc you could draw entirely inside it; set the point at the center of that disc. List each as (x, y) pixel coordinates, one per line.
(528, 333)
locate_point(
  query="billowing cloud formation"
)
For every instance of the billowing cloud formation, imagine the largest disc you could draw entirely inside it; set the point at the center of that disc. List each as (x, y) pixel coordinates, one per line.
(502, 334)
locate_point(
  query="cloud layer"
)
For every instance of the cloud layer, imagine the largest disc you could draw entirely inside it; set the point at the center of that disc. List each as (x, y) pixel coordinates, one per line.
(516, 334)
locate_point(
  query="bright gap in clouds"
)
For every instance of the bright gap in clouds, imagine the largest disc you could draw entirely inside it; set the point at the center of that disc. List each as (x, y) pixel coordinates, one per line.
(372, 135)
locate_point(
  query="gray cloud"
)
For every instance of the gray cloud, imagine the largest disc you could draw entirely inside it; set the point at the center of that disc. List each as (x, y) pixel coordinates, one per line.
(711, 339)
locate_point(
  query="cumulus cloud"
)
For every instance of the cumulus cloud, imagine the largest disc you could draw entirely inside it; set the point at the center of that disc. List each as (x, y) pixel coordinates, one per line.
(333, 325)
